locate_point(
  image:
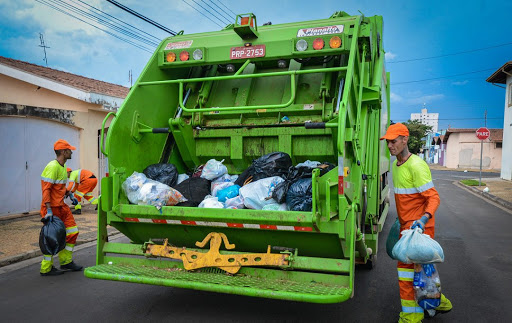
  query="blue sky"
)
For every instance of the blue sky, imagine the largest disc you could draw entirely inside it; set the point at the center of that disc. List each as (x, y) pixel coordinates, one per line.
(412, 30)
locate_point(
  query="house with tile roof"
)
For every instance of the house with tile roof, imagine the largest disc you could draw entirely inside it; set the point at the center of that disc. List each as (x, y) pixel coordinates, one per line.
(503, 78)
(39, 105)
(463, 149)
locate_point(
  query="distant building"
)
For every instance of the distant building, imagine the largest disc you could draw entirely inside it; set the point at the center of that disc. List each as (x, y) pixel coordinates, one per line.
(504, 76)
(39, 105)
(429, 119)
(463, 149)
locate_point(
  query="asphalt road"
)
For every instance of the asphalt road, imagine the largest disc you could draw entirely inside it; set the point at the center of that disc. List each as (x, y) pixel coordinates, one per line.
(474, 234)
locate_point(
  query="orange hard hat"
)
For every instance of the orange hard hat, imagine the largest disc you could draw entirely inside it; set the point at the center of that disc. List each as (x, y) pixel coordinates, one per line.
(395, 130)
(69, 169)
(62, 144)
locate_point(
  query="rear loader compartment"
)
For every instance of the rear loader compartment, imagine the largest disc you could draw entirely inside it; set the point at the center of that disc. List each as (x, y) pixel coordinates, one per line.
(236, 95)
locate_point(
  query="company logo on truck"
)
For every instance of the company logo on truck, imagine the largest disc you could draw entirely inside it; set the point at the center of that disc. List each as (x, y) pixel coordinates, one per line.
(179, 45)
(318, 31)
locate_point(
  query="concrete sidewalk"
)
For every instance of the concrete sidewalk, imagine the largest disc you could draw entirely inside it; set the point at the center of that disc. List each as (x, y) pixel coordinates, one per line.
(500, 191)
(19, 234)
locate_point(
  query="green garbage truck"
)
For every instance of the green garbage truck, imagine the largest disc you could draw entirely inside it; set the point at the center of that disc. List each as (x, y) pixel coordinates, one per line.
(315, 90)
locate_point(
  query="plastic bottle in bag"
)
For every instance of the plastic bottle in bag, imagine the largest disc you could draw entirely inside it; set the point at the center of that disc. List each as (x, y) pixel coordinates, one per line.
(427, 287)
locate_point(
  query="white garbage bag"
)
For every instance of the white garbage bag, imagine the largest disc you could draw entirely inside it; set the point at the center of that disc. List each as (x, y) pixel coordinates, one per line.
(211, 202)
(236, 202)
(415, 247)
(258, 194)
(214, 169)
(132, 185)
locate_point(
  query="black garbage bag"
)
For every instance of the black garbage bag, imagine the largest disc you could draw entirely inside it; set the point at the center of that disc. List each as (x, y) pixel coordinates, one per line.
(300, 195)
(52, 238)
(269, 165)
(163, 173)
(194, 189)
(294, 174)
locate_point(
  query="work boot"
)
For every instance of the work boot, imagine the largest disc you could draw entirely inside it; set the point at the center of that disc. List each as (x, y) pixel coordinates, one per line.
(53, 272)
(443, 308)
(71, 267)
(410, 317)
(77, 211)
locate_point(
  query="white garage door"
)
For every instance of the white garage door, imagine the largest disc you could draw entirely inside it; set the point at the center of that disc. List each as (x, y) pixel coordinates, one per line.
(27, 146)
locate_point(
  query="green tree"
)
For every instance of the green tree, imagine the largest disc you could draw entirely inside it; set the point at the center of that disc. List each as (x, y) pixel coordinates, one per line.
(417, 131)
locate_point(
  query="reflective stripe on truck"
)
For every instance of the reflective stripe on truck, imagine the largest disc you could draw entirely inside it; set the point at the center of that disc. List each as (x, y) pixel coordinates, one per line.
(223, 224)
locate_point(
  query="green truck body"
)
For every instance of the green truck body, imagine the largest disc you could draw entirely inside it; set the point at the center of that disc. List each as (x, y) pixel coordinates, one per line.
(243, 92)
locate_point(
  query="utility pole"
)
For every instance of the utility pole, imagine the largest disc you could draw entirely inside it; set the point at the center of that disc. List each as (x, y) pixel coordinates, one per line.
(482, 149)
(130, 77)
(41, 38)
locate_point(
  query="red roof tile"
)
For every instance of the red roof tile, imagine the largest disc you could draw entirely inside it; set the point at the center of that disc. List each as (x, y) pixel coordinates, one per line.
(80, 82)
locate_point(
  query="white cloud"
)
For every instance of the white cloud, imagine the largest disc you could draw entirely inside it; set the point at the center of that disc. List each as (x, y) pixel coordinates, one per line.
(395, 97)
(389, 56)
(54, 21)
(460, 82)
(425, 99)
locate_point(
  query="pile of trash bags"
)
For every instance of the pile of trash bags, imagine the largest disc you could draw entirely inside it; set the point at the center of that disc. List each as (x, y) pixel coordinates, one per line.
(271, 182)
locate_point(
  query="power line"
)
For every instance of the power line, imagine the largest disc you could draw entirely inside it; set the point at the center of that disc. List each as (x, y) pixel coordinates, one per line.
(229, 15)
(444, 77)
(208, 11)
(452, 54)
(226, 7)
(146, 19)
(106, 31)
(100, 20)
(106, 14)
(225, 19)
(201, 13)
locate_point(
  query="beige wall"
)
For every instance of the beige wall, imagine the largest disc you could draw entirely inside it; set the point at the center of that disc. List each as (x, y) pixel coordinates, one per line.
(463, 151)
(88, 117)
(18, 92)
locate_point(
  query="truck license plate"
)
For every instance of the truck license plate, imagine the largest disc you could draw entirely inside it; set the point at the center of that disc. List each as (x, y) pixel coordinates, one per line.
(247, 52)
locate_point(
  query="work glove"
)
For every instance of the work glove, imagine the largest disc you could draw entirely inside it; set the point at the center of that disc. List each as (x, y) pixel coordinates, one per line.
(48, 216)
(73, 199)
(429, 269)
(421, 223)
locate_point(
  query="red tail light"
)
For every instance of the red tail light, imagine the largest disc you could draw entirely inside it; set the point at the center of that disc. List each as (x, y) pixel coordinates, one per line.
(184, 56)
(318, 44)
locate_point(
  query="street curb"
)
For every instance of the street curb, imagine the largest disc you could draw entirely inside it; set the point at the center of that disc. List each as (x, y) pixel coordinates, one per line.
(37, 253)
(488, 196)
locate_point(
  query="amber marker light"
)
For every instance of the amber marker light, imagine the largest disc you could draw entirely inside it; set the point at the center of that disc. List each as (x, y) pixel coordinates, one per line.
(170, 57)
(318, 44)
(335, 42)
(184, 55)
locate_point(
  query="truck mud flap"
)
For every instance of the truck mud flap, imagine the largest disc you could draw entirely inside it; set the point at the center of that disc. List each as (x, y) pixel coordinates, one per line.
(300, 287)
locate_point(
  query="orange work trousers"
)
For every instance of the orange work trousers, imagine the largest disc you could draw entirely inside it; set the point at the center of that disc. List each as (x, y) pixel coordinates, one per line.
(85, 188)
(406, 289)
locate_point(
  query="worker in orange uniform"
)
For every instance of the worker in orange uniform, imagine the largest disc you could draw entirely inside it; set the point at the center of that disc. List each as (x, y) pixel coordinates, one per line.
(53, 185)
(81, 183)
(416, 203)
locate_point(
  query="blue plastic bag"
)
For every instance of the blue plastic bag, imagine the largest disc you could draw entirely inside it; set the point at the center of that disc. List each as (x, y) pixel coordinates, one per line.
(228, 193)
(414, 247)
